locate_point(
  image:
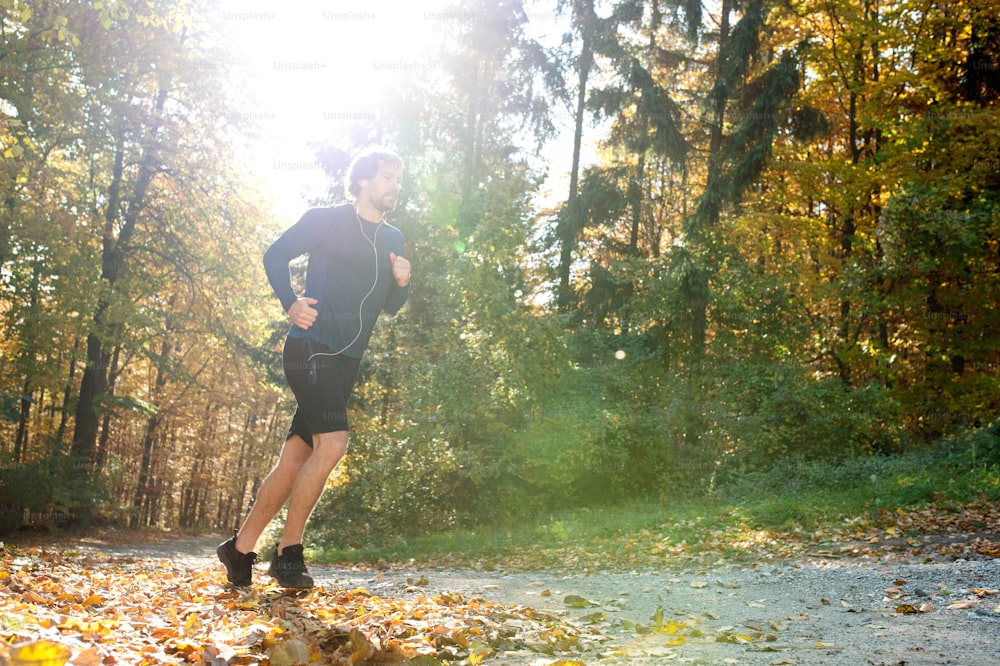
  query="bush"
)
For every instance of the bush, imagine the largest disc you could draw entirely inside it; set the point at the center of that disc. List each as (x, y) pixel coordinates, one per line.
(974, 447)
(779, 413)
(389, 490)
(47, 493)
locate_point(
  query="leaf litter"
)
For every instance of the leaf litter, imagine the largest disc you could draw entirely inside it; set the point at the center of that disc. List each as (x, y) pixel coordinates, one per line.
(61, 609)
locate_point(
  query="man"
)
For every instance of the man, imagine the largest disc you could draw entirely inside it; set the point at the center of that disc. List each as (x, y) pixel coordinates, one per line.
(355, 270)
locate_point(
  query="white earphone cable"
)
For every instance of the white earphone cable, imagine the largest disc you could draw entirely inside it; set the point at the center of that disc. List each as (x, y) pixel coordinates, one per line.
(372, 241)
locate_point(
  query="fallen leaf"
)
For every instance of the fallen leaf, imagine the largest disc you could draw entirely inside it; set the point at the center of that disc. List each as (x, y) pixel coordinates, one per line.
(289, 653)
(576, 601)
(40, 653)
(964, 604)
(594, 618)
(170, 614)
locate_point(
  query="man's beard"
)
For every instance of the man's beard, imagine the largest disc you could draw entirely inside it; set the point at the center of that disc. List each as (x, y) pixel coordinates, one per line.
(386, 203)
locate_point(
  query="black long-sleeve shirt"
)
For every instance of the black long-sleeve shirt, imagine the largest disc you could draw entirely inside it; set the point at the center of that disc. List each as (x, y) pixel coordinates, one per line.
(351, 280)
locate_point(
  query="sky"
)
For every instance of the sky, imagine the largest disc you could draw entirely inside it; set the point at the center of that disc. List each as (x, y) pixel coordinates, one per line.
(317, 65)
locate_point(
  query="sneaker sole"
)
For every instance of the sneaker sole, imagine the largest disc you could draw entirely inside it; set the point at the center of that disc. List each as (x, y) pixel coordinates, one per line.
(290, 586)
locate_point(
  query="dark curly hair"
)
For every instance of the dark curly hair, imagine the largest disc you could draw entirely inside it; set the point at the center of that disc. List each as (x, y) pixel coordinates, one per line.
(366, 164)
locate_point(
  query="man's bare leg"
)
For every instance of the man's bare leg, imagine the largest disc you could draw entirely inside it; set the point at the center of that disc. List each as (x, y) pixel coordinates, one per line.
(328, 449)
(273, 492)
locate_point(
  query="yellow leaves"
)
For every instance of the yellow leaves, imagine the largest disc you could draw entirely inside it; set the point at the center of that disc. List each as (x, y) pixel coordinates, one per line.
(13, 152)
(40, 653)
(671, 627)
(192, 625)
(87, 629)
(729, 637)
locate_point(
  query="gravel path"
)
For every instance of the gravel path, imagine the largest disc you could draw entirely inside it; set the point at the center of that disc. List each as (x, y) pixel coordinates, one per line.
(805, 611)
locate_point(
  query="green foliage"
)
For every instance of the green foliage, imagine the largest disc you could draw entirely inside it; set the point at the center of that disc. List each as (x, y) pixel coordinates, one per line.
(777, 412)
(129, 281)
(973, 448)
(389, 489)
(49, 493)
(793, 493)
(799, 269)
(960, 469)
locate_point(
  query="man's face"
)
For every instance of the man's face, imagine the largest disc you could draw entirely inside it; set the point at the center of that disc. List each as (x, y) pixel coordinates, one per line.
(382, 190)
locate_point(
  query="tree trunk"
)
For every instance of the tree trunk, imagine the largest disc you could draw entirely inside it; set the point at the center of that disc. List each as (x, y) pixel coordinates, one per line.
(568, 234)
(142, 487)
(114, 254)
(105, 439)
(21, 441)
(68, 393)
(710, 207)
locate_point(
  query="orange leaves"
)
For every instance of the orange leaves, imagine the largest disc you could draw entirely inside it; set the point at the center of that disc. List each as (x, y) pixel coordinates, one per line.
(57, 610)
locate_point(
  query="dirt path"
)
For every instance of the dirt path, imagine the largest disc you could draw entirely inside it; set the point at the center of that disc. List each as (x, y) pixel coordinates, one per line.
(807, 611)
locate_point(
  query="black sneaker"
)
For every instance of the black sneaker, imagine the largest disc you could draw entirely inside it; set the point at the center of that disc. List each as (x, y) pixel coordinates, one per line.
(239, 566)
(289, 568)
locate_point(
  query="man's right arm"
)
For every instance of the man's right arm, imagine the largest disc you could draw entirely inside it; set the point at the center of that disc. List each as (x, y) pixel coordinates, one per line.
(301, 238)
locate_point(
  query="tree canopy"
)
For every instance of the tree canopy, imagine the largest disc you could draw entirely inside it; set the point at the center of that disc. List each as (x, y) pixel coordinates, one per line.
(787, 245)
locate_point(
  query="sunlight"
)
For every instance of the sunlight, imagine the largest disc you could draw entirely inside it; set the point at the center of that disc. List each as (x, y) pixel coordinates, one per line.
(317, 67)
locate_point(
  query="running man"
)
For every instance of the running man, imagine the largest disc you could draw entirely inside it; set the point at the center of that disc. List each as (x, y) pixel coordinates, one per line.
(355, 271)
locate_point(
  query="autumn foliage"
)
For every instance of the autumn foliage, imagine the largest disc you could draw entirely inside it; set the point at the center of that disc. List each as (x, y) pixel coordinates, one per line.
(783, 246)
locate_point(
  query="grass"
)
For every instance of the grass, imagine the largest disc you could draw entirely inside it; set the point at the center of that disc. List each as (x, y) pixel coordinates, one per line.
(752, 511)
(555, 531)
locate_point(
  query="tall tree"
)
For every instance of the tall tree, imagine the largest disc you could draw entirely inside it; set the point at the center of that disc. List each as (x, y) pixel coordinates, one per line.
(748, 90)
(127, 211)
(586, 25)
(140, 77)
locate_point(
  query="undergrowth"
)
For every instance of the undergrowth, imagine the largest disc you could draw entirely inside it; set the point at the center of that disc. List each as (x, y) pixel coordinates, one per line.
(797, 496)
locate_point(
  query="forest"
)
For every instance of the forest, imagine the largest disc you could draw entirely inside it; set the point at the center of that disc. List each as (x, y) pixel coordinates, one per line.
(786, 247)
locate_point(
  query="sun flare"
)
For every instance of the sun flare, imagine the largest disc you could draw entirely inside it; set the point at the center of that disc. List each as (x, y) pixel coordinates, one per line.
(316, 67)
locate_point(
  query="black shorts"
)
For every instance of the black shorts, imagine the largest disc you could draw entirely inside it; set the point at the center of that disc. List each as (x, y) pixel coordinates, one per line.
(321, 385)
